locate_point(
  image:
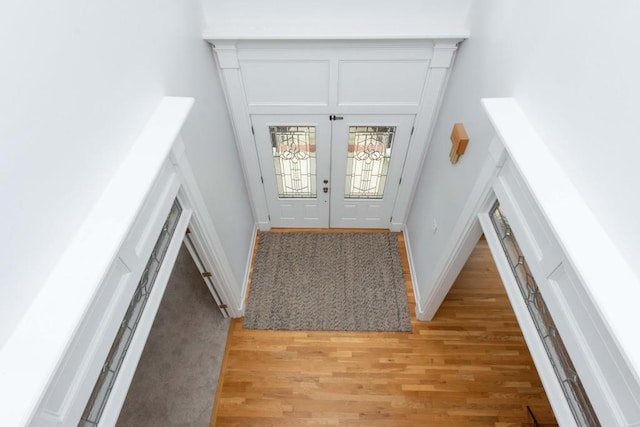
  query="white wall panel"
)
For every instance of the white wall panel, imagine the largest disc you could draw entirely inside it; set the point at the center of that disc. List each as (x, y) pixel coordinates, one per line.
(593, 350)
(66, 397)
(286, 82)
(381, 82)
(537, 240)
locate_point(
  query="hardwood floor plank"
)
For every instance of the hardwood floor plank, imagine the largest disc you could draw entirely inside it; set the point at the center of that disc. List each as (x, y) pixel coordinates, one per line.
(469, 367)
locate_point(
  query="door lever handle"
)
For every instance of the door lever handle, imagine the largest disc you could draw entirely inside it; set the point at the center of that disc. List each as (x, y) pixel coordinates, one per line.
(325, 189)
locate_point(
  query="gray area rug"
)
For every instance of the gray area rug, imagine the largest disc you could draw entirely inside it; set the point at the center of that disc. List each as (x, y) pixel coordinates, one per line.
(328, 281)
(176, 379)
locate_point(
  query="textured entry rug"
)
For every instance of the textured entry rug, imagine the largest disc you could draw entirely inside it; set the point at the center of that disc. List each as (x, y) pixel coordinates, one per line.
(328, 281)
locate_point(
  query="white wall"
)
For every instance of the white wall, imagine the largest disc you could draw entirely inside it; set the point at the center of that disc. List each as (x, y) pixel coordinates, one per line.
(334, 18)
(78, 82)
(573, 67)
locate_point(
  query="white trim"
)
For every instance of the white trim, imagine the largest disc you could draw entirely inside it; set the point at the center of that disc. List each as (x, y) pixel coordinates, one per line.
(597, 263)
(247, 273)
(233, 53)
(204, 233)
(432, 96)
(79, 310)
(396, 226)
(51, 321)
(212, 35)
(225, 54)
(590, 289)
(412, 271)
(194, 250)
(134, 352)
(552, 387)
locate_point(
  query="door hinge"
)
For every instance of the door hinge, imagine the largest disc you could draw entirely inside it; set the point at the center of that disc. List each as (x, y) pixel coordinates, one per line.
(188, 231)
(412, 128)
(400, 181)
(390, 218)
(253, 131)
(223, 306)
(269, 216)
(206, 274)
(262, 180)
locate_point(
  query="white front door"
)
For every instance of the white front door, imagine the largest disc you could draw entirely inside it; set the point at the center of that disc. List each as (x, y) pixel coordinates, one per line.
(342, 172)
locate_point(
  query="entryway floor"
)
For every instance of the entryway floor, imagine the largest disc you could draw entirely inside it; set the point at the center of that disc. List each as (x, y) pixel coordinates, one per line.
(470, 366)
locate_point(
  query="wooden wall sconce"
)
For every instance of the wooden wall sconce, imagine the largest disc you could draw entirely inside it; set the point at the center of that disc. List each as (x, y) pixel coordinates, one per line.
(459, 141)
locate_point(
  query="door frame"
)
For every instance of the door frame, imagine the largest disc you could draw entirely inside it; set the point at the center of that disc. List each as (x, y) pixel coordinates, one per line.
(330, 208)
(437, 55)
(314, 209)
(193, 246)
(208, 246)
(403, 123)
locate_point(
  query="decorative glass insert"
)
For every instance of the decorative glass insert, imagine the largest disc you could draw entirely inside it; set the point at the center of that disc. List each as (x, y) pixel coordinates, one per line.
(294, 158)
(556, 351)
(111, 367)
(368, 155)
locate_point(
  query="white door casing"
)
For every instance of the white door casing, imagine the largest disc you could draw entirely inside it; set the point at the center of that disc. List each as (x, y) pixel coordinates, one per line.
(334, 77)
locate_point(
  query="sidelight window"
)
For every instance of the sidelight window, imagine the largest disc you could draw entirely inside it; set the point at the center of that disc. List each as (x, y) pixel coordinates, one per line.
(549, 334)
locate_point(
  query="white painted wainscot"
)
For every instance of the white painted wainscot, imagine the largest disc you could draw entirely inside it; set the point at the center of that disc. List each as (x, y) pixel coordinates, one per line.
(288, 77)
(590, 291)
(50, 364)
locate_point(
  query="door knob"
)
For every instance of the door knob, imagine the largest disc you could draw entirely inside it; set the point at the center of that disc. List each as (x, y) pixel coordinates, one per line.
(325, 189)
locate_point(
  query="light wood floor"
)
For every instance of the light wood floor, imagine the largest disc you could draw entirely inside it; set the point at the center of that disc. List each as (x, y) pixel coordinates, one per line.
(469, 367)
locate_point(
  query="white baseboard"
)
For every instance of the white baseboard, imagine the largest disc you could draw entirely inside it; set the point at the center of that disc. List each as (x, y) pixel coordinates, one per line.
(247, 270)
(396, 227)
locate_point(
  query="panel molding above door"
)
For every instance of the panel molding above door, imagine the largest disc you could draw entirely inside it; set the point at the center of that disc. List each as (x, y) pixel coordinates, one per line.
(339, 77)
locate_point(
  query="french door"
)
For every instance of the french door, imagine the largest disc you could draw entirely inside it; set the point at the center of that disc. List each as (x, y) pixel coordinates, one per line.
(338, 172)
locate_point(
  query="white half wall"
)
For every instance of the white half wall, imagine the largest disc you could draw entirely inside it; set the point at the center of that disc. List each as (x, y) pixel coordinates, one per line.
(335, 18)
(570, 66)
(78, 82)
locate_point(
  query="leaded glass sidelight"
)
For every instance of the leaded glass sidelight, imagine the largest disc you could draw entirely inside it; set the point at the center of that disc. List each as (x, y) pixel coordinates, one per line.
(368, 155)
(544, 323)
(294, 160)
(111, 367)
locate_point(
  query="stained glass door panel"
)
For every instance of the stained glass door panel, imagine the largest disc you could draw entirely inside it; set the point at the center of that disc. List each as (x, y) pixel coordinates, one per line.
(320, 173)
(294, 160)
(294, 156)
(368, 156)
(367, 159)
